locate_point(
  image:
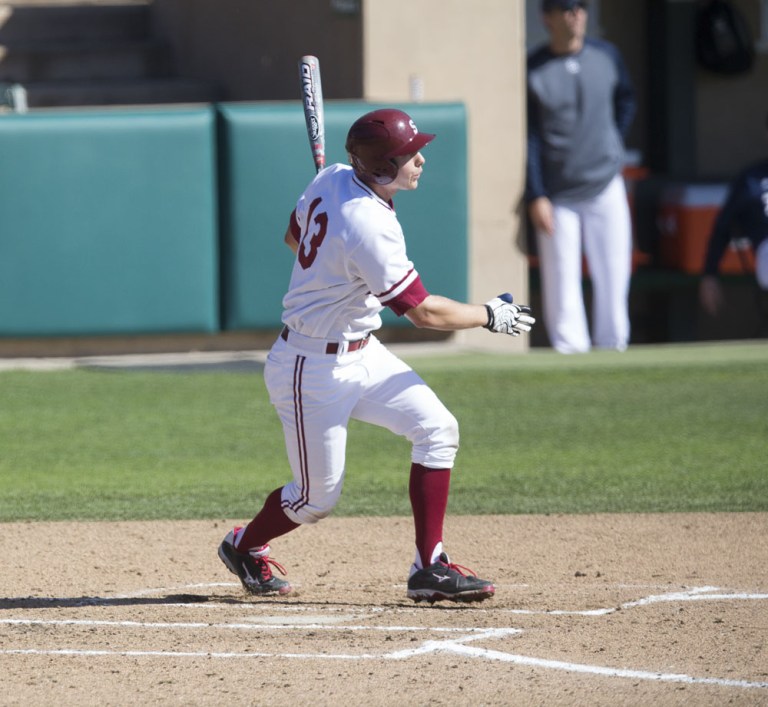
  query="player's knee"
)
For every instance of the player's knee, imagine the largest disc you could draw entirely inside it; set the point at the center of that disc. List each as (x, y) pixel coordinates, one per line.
(308, 508)
(308, 514)
(438, 443)
(450, 432)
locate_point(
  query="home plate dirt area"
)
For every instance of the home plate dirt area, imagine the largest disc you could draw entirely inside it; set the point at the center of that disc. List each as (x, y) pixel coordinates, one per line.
(589, 610)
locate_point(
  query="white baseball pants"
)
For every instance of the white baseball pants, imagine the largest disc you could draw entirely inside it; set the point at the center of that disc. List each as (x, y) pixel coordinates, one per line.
(602, 226)
(761, 265)
(316, 394)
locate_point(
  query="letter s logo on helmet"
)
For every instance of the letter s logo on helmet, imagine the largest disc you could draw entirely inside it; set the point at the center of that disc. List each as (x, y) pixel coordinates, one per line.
(376, 138)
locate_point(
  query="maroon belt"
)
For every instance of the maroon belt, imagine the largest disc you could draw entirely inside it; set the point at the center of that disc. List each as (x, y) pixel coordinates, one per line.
(333, 346)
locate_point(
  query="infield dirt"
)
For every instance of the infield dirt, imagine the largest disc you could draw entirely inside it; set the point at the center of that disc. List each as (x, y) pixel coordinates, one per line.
(589, 610)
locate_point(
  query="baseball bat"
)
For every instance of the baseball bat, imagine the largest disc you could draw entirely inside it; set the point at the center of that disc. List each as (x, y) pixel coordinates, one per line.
(312, 94)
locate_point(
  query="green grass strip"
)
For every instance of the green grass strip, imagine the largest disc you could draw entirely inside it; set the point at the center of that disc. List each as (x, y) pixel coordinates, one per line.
(670, 429)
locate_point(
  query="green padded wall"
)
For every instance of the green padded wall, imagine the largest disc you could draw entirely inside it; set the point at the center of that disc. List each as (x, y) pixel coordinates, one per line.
(108, 222)
(265, 163)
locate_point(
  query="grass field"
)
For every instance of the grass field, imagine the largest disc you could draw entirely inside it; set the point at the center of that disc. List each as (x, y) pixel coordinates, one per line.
(668, 428)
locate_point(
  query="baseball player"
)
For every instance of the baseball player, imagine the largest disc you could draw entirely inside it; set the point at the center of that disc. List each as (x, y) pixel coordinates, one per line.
(744, 214)
(328, 367)
(580, 106)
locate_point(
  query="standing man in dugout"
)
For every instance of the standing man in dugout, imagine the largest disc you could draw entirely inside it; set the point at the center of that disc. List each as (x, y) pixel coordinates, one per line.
(328, 367)
(580, 106)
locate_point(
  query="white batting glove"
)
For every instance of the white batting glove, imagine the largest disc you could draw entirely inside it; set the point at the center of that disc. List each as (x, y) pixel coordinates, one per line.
(507, 318)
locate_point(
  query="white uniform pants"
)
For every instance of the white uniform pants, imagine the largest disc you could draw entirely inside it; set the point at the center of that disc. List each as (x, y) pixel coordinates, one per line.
(602, 224)
(315, 395)
(761, 265)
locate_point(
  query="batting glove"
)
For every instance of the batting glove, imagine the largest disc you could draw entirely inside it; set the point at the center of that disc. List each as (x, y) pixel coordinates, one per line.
(507, 318)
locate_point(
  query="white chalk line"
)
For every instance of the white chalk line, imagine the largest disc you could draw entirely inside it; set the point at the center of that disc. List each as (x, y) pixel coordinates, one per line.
(243, 626)
(454, 646)
(690, 595)
(598, 670)
(426, 647)
(694, 594)
(457, 646)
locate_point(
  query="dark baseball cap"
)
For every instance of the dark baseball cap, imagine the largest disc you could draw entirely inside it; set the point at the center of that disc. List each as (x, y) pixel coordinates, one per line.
(550, 5)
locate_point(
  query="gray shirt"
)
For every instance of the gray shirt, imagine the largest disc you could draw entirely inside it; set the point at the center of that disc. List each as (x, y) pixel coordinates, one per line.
(580, 107)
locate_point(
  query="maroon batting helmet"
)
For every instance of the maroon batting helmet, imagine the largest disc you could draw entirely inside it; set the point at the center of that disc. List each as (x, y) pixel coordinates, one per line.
(376, 138)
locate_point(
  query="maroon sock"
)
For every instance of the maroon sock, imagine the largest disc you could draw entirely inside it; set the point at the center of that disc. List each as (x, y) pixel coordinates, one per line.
(429, 500)
(271, 522)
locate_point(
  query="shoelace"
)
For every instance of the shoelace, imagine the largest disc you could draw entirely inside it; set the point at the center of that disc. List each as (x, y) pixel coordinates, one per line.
(464, 571)
(264, 565)
(263, 562)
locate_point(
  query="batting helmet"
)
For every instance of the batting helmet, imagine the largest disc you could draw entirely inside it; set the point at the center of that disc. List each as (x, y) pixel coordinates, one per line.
(376, 138)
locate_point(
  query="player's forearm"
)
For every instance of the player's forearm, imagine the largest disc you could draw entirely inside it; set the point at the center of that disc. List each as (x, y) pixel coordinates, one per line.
(290, 241)
(444, 314)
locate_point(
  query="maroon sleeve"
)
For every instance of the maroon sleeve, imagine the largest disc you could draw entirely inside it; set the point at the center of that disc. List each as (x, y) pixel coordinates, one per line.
(410, 297)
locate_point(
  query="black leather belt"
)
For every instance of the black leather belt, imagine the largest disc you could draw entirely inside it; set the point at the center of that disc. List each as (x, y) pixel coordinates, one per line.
(333, 347)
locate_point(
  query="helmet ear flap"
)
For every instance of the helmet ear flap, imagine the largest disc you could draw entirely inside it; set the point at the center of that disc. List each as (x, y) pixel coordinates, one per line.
(384, 172)
(379, 171)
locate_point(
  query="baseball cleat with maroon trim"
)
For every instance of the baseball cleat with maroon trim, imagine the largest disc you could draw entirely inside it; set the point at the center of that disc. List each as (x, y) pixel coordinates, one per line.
(253, 567)
(445, 581)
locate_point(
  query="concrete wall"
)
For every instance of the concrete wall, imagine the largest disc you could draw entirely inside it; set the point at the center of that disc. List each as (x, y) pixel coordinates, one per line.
(473, 52)
(251, 47)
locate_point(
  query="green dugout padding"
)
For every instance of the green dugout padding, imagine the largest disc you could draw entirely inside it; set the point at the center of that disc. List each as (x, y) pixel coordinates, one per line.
(108, 222)
(265, 162)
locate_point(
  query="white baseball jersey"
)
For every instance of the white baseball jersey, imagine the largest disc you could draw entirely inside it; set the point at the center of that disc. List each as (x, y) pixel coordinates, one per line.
(351, 263)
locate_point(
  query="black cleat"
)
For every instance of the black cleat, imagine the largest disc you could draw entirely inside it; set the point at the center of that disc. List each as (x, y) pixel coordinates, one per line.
(444, 580)
(253, 568)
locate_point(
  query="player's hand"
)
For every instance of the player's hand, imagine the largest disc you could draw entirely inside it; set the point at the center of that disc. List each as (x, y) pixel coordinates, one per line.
(711, 295)
(507, 318)
(542, 216)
